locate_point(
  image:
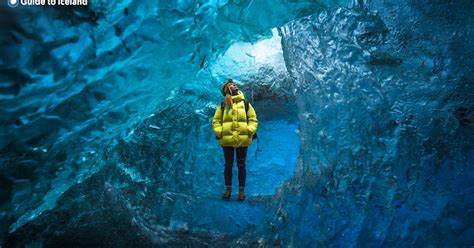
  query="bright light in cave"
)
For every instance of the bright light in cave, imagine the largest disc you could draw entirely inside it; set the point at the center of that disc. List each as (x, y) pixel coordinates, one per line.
(246, 57)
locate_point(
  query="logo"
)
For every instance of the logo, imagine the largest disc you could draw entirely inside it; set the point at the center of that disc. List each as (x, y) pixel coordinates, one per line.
(13, 3)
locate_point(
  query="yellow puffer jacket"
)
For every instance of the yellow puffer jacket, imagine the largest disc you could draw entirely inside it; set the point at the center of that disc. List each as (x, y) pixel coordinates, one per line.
(231, 126)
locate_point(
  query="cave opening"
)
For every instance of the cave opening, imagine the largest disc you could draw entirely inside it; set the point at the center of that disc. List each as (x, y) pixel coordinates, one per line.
(260, 69)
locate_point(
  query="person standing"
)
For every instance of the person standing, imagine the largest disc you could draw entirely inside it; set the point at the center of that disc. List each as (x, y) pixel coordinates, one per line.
(234, 124)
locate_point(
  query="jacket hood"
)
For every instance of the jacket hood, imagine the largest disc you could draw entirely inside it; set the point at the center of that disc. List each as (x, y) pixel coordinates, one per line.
(239, 97)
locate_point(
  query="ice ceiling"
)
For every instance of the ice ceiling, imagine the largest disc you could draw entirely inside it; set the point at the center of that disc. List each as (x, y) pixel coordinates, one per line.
(365, 109)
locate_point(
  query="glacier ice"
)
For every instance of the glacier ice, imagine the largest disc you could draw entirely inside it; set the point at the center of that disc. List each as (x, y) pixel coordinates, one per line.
(385, 158)
(365, 108)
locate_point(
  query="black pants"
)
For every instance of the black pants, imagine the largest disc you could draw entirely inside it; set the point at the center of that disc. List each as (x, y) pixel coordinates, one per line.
(229, 161)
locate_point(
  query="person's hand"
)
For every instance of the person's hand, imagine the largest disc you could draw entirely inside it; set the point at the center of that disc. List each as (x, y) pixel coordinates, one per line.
(250, 134)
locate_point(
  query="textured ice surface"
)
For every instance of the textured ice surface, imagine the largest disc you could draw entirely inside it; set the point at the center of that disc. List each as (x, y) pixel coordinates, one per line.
(386, 144)
(365, 126)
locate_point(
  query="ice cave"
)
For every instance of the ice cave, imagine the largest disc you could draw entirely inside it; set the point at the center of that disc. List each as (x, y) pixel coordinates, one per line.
(365, 123)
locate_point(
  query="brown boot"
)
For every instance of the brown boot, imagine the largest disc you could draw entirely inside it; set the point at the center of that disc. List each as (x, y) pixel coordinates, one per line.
(226, 195)
(241, 193)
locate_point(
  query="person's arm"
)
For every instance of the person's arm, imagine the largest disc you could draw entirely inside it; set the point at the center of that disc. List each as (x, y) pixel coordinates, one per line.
(217, 122)
(252, 120)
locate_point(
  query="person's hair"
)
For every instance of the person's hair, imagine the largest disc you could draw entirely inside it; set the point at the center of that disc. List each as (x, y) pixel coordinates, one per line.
(225, 86)
(228, 101)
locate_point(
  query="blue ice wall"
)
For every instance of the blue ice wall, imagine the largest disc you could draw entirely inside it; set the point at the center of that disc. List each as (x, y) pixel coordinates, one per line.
(365, 110)
(385, 96)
